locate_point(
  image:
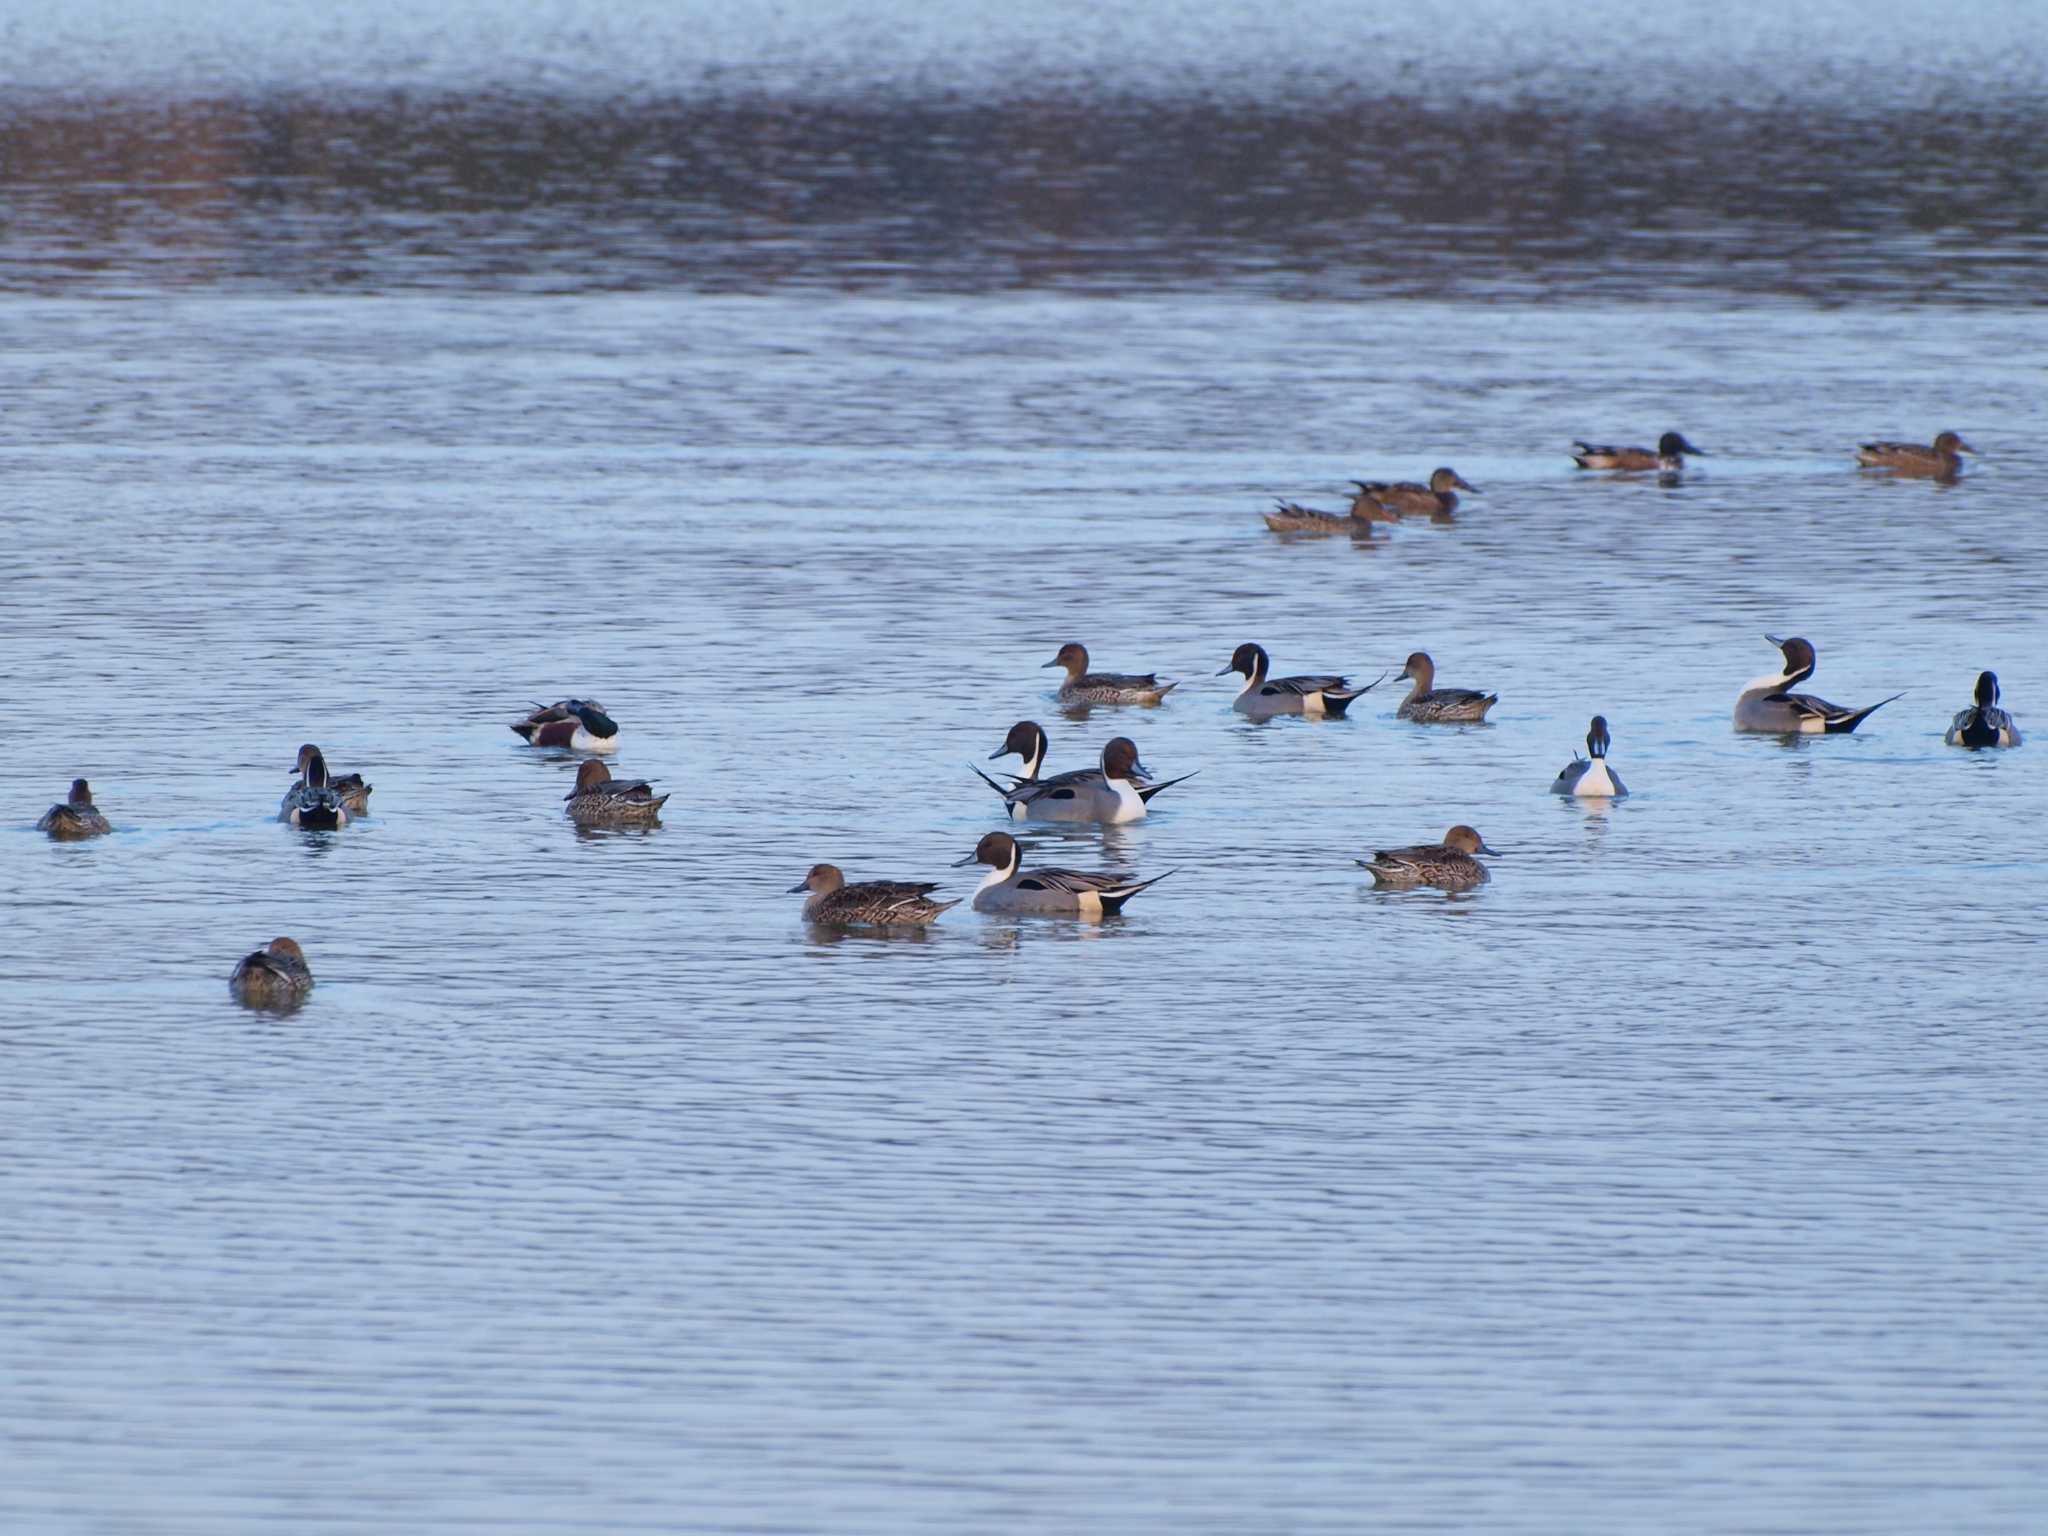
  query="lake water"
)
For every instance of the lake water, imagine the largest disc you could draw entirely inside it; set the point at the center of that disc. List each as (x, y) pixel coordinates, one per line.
(796, 384)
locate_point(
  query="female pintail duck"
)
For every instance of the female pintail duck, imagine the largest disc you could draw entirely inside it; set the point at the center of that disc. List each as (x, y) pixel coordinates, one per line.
(1439, 706)
(1768, 704)
(1450, 865)
(1085, 687)
(1062, 892)
(76, 818)
(579, 724)
(599, 800)
(1291, 517)
(274, 977)
(312, 802)
(869, 903)
(1983, 724)
(1262, 695)
(1407, 498)
(1669, 457)
(1117, 791)
(1941, 460)
(1590, 775)
(354, 793)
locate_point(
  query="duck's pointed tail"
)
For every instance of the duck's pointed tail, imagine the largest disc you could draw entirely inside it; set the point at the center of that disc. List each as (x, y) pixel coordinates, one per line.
(1147, 791)
(1114, 898)
(1335, 703)
(1843, 724)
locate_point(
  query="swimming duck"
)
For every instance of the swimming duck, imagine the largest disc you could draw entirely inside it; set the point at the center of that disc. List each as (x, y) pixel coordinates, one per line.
(1066, 892)
(1449, 865)
(274, 977)
(1405, 497)
(1439, 706)
(1294, 518)
(76, 818)
(1669, 457)
(1768, 704)
(1117, 791)
(1085, 687)
(1983, 724)
(870, 903)
(354, 793)
(1590, 775)
(579, 724)
(1940, 461)
(310, 802)
(1262, 696)
(599, 800)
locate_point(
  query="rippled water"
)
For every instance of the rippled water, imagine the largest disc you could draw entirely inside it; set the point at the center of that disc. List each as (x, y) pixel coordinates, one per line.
(1686, 1176)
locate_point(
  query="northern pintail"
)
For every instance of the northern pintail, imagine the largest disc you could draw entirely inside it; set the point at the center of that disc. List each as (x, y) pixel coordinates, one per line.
(599, 800)
(1590, 775)
(1983, 724)
(1119, 790)
(1085, 687)
(1449, 865)
(273, 977)
(311, 802)
(579, 724)
(1941, 460)
(76, 818)
(1290, 517)
(869, 903)
(354, 793)
(1669, 457)
(1439, 706)
(1768, 704)
(1406, 497)
(1262, 695)
(1064, 892)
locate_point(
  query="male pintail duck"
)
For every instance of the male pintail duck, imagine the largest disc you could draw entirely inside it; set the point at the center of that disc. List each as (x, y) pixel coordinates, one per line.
(274, 977)
(1085, 687)
(1983, 724)
(1262, 695)
(76, 818)
(312, 802)
(354, 793)
(1669, 457)
(1590, 775)
(1941, 461)
(1064, 892)
(1449, 865)
(1117, 791)
(599, 800)
(1407, 498)
(869, 903)
(1291, 517)
(1768, 704)
(579, 724)
(1439, 706)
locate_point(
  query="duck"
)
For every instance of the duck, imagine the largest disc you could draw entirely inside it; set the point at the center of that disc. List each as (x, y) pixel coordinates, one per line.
(276, 976)
(1669, 457)
(1059, 892)
(1405, 497)
(311, 802)
(1291, 517)
(354, 793)
(1119, 790)
(578, 724)
(599, 800)
(1590, 775)
(1262, 696)
(1450, 865)
(1439, 706)
(1941, 461)
(76, 817)
(1085, 687)
(1983, 724)
(868, 903)
(1768, 704)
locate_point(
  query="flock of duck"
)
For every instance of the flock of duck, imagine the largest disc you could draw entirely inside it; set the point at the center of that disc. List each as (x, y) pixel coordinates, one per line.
(1119, 788)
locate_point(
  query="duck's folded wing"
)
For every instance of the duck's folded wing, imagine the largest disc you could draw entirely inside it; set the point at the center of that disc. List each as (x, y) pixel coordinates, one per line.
(1811, 707)
(1304, 686)
(1072, 881)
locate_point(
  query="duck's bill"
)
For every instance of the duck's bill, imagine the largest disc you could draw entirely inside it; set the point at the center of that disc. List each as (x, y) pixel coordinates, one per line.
(963, 863)
(1002, 752)
(801, 885)
(1776, 640)
(1224, 671)
(1049, 664)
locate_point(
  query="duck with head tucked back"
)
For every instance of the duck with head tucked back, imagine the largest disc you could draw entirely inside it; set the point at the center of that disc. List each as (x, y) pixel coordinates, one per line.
(1590, 775)
(1768, 704)
(1119, 790)
(1008, 887)
(599, 800)
(1939, 461)
(1262, 696)
(311, 802)
(1983, 724)
(578, 724)
(1405, 498)
(868, 903)
(1085, 687)
(1439, 706)
(353, 792)
(1450, 865)
(274, 977)
(76, 817)
(1668, 457)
